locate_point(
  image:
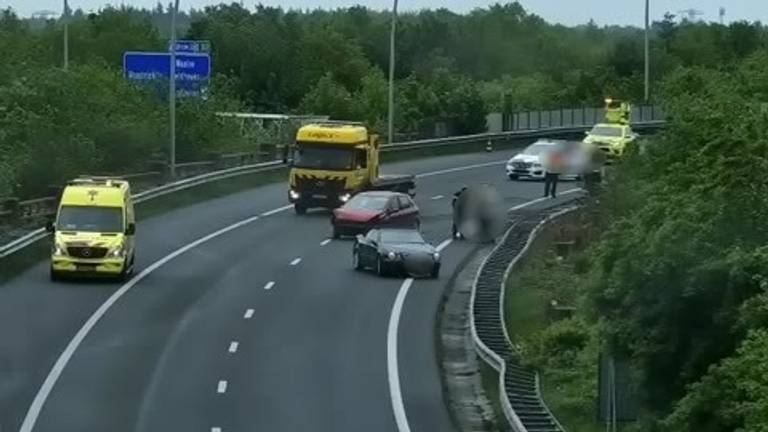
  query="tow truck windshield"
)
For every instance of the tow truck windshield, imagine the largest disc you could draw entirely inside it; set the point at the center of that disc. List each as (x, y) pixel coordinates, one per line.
(326, 158)
(90, 219)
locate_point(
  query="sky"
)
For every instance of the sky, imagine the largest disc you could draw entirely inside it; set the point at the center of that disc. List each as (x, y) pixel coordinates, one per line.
(568, 12)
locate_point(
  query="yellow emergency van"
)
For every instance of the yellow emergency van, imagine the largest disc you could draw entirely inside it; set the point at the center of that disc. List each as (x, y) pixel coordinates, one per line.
(94, 228)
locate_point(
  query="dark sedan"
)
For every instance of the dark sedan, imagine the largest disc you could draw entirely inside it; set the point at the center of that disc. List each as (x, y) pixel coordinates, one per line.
(376, 208)
(396, 250)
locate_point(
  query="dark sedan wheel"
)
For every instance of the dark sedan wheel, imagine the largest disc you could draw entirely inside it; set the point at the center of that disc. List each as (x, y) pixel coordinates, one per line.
(435, 272)
(300, 209)
(513, 176)
(336, 232)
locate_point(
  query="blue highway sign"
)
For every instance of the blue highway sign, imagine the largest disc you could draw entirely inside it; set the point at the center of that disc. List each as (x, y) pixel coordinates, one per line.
(193, 70)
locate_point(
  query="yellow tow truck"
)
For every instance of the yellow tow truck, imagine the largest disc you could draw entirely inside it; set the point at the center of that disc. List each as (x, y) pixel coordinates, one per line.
(613, 136)
(333, 161)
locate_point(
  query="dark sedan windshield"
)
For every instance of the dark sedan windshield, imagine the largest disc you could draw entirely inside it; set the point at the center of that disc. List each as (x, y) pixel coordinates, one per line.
(90, 219)
(401, 236)
(316, 157)
(367, 202)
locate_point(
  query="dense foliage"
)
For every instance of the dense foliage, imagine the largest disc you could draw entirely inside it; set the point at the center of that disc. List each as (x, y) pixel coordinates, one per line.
(679, 278)
(452, 69)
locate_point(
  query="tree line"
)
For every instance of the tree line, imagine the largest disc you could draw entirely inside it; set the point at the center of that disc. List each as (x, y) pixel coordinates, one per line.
(451, 69)
(677, 280)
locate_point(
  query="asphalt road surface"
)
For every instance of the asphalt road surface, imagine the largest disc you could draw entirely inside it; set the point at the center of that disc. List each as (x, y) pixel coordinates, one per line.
(245, 317)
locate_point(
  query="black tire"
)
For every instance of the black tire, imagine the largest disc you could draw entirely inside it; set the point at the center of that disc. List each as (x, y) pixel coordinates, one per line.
(513, 177)
(54, 275)
(128, 270)
(300, 209)
(380, 267)
(336, 234)
(435, 272)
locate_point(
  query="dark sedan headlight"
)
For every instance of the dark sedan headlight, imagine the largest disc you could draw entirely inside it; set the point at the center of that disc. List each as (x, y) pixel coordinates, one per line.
(391, 256)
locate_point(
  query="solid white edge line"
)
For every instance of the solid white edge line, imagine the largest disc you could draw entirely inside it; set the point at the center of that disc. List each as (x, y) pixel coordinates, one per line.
(233, 346)
(462, 168)
(269, 285)
(393, 373)
(542, 199)
(277, 210)
(296, 261)
(221, 388)
(53, 376)
(325, 242)
(444, 244)
(248, 314)
(61, 362)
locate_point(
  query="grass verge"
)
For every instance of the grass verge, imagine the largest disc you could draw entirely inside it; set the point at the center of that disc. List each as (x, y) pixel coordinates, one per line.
(551, 337)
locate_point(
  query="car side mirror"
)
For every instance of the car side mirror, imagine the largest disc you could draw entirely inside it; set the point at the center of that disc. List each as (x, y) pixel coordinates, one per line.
(131, 229)
(49, 226)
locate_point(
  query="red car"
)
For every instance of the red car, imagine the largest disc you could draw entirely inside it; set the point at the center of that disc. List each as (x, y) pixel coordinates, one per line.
(370, 209)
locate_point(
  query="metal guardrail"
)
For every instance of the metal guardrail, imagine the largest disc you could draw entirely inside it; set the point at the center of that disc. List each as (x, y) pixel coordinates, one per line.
(39, 234)
(34, 208)
(519, 387)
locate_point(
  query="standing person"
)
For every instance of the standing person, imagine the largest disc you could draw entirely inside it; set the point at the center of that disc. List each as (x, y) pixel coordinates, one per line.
(554, 167)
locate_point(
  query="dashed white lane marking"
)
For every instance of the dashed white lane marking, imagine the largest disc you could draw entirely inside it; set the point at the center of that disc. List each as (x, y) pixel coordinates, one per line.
(248, 314)
(325, 242)
(233, 346)
(215, 429)
(295, 261)
(277, 210)
(437, 197)
(269, 285)
(222, 387)
(61, 363)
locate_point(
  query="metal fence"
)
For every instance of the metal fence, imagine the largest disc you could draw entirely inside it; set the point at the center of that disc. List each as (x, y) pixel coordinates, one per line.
(17, 214)
(532, 120)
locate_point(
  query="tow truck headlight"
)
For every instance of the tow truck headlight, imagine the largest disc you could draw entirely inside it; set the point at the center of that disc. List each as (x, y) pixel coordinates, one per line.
(345, 197)
(294, 194)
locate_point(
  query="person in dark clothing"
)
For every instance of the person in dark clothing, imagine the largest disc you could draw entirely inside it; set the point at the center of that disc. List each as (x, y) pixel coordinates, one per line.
(550, 184)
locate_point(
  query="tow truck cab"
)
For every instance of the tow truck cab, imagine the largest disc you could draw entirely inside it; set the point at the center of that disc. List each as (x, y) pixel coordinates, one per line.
(93, 232)
(333, 161)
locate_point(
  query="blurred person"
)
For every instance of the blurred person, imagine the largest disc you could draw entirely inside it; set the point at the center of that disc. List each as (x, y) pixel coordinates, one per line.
(554, 163)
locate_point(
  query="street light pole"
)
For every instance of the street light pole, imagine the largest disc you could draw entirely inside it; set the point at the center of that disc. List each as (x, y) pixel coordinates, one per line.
(391, 115)
(66, 35)
(172, 92)
(647, 53)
